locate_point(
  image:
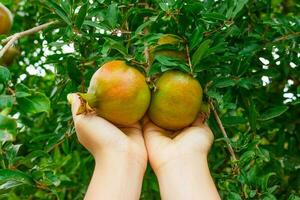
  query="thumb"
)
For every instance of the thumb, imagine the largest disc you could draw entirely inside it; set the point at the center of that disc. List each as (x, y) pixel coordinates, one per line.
(75, 102)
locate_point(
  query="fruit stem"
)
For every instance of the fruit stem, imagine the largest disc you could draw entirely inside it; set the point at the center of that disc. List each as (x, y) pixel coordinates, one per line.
(188, 57)
(89, 98)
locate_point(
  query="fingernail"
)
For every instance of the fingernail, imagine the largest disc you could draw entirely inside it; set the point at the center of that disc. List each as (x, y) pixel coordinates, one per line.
(70, 98)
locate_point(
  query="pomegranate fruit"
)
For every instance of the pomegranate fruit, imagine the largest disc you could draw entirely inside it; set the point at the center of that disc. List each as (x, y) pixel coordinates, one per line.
(6, 19)
(119, 93)
(176, 101)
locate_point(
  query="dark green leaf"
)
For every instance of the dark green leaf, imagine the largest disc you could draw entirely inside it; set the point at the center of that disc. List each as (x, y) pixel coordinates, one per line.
(200, 52)
(112, 15)
(224, 82)
(252, 115)
(171, 63)
(36, 103)
(6, 101)
(233, 120)
(214, 16)
(273, 112)
(12, 178)
(95, 25)
(113, 44)
(81, 15)
(59, 11)
(196, 37)
(4, 74)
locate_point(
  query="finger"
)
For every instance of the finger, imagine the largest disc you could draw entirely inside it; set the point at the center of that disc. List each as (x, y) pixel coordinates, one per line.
(199, 121)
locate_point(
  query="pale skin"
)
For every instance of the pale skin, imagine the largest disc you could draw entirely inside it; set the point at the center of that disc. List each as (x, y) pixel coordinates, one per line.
(121, 155)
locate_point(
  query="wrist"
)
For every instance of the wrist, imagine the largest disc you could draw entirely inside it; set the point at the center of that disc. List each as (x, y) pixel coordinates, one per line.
(121, 160)
(116, 177)
(184, 163)
(186, 178)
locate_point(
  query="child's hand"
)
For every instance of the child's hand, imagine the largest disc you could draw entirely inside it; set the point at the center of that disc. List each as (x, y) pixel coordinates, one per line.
(179, 159)
(194, 141)
(101, 137)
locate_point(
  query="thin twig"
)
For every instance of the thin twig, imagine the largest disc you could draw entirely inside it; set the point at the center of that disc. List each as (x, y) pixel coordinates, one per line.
(147, 49)
(226, 23)
(285, 37)
(12, 39)
(9, 44)
(188, 57)
(230, 149)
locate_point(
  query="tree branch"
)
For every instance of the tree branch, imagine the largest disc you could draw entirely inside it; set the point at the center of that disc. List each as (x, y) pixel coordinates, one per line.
(12, 39)
(230, 149)
(188, 57)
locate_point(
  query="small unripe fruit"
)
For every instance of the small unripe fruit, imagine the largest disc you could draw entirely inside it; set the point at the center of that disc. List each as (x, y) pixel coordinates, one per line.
(9, 56)
(164, 40)
(176, 101)
(119, 93)
(6, 19)
(169, 39)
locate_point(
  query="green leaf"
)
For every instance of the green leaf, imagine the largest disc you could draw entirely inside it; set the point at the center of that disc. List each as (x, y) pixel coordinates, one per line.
(215, 95)
(296, 102)
(200, 52)
(246, 157)
(196, 37)
(81, 15)
(113, 44)
(6, 101)
(112, 15)
(273, 112)
(239, 6)
(73, 71)
(252, 115)
(95, 25)
(214, 16)
(154, 69)
(144, 25)
(59, 11)
(234, 196)
(263, 154)
(265, 180)
(171, 63)
(298, 90)
(8, 128)
(233, 120)
(224, 82)
(164, 6)
(13, 178)
(4, 74)
(36, 103)
(66, 6)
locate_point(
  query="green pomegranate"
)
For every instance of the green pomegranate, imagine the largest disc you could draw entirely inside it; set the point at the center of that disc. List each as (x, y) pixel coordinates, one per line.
(119, 93)
(176, 101)
(9, 56)
(163, 40)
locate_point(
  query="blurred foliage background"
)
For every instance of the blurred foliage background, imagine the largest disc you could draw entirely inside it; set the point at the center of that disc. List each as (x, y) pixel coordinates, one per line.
(245, 53)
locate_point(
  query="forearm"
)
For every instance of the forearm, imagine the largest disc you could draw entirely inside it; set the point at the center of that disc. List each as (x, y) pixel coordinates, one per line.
(187, 178)
(115, 178)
